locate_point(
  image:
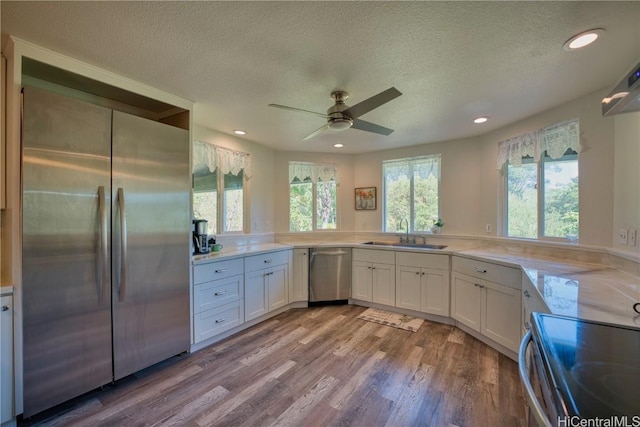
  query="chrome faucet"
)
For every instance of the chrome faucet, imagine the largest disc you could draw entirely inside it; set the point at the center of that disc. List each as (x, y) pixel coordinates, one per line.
(400, 226)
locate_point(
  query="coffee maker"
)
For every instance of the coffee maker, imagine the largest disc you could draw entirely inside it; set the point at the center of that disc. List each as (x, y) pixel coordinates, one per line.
(200, 245)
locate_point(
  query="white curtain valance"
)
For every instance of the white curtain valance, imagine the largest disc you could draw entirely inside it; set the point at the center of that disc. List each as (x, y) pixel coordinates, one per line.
(223, 159)
(422, 167)
(555, 140)
(324, 172)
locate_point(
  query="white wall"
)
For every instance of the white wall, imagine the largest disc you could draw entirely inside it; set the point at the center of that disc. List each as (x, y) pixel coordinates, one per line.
(259, 189)
(596, 165)
(459, 190)
(345, 187)
(471, 185)
(626, 207)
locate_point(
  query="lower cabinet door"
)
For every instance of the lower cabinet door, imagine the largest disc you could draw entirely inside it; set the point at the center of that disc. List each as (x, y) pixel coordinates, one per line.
(466, 295)
(384, 284)
(6, 358)
(277, 286)
(361, 281)
(255, 294)
(408, 280)
(435, 292)
(501, 315)
(210, 323)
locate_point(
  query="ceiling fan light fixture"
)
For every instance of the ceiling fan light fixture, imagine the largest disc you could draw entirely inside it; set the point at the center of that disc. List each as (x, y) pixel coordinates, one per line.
(339, 124)
(583, 39)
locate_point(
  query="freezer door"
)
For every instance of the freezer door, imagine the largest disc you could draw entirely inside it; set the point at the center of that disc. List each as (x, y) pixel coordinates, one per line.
(151, 238)
(65, 248)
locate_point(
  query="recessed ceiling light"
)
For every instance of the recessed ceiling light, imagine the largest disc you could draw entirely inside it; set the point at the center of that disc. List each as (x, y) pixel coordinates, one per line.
(239, 132)
(583, 39)
(338, 145)
(481, 119)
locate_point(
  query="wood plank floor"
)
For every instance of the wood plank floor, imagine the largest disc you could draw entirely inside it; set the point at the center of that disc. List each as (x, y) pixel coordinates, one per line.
(315, 367)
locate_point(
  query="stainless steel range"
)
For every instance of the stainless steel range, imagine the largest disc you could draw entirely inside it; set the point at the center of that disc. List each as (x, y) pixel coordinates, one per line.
(580, 370)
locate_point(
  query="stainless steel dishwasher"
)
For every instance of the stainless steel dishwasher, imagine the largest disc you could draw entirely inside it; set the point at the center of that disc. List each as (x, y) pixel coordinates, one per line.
(329, 275)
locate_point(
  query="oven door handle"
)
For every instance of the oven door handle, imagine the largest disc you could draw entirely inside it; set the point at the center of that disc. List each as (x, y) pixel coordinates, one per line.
(534, 405)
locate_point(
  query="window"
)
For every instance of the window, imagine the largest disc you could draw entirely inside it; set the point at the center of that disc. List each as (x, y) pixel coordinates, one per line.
(411, 190)
(312, 196)
(217, 168)
(541, 196)
(206, 201)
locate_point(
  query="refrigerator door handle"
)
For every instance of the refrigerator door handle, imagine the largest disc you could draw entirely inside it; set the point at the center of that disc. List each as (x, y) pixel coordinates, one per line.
(103, 260)
(123, 246)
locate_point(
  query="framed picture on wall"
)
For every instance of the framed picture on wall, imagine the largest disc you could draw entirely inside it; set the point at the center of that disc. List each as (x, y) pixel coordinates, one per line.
(366, 198)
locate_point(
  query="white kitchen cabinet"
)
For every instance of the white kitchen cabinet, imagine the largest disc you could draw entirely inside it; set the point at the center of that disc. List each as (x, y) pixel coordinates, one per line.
(466, 296)
(299, 290)
(373, 276)
(266, 283)
(6, 358)
(492, 308)
(422, 282)
(218, 297)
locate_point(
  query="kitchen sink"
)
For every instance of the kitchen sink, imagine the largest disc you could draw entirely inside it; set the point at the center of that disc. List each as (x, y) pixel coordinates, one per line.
(406, 245)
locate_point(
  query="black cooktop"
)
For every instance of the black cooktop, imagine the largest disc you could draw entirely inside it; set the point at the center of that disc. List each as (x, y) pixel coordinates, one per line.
(595, 366)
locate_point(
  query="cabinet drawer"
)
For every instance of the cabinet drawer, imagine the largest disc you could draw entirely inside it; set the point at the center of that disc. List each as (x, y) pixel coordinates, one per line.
(485, 270)
(217, 270)
(440, 262)
(218, 292)
(213, 322)
(257, 262)
(376, 256)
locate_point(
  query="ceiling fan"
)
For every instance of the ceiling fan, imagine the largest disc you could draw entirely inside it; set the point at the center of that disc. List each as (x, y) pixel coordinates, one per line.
(342, 117)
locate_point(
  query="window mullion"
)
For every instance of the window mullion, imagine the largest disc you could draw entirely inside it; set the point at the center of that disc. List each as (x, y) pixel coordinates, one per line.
(540, 193)
(314, 206)
(221, 207)
(412, 198)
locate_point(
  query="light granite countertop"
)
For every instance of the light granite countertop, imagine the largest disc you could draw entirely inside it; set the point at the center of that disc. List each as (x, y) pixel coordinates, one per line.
(238, 251)
(588, 291)
(585, 290)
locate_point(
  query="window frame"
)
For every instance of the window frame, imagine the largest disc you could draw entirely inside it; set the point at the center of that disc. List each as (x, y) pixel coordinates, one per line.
(412, 216)
(540, 196)
(221, 205)
(314, 201)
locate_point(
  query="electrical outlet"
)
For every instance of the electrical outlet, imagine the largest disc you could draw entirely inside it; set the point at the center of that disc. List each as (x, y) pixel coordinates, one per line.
(622, 236)
(633, 234)
(364, 225)
(267, 225)
(487, 228)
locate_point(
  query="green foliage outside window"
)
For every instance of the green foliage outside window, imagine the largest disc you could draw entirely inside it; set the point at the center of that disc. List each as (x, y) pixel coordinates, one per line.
(559, 215)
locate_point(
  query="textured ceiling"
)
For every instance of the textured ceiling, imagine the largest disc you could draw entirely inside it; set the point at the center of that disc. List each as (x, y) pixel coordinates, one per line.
(452, 61)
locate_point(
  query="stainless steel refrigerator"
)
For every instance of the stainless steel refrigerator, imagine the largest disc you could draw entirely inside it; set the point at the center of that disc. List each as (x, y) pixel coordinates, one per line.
(105, 250)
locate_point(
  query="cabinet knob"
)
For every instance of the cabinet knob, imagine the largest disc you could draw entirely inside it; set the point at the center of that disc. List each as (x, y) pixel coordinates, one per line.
(224, 319)
(526, 294)
(222, 270)
(417, 272)
(267, 261)
(5, 308)
(480, 270)
(527, 326)
(220, 293)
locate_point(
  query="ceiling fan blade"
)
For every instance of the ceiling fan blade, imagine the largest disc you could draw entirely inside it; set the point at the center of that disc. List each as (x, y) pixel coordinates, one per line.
(370, 127)
(284, 107)
(316, 132)
(375, 101)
